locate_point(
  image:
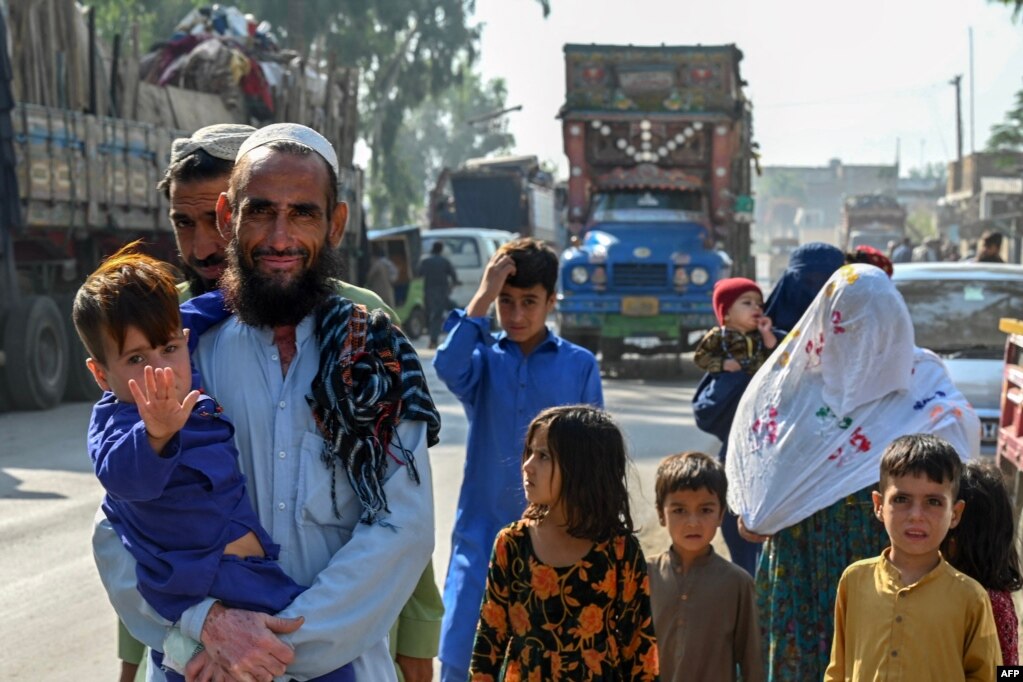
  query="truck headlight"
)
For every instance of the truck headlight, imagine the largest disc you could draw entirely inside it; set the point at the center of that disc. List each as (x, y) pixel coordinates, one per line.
(580, 275)
(699, 276)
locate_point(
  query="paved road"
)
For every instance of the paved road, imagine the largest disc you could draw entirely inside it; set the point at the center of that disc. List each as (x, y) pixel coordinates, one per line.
(57, 624)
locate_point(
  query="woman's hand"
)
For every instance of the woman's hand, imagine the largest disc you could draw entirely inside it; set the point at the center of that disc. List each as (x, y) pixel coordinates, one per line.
(750, 536)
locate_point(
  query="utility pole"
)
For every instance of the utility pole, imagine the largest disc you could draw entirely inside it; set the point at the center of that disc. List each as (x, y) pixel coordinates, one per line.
(957, 82)
(972, 122)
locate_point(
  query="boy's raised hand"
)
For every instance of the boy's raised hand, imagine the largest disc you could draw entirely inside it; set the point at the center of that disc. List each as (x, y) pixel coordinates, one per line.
(158, 406)
(499, 269)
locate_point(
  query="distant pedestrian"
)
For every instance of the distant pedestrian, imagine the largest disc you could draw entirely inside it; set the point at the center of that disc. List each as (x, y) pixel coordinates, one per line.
(439, 277)
(503, 382)
(704, 606)
(744, 337)
(906, 613)
(990, 247)
(567, 594)
(928, 251)
(903, 253)
(382, 276)
(983, 546)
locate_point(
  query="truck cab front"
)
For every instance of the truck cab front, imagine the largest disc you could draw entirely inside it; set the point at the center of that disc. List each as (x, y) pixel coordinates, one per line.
(640, 278)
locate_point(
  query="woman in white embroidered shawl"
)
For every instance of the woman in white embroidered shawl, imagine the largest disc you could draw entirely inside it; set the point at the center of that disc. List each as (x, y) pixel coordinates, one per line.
(805, 448)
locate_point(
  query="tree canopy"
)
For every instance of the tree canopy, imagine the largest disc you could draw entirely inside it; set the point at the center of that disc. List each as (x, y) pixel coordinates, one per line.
(441, 133)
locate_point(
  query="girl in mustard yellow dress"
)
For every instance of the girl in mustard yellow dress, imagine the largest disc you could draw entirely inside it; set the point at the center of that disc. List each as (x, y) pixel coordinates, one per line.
(567, 594)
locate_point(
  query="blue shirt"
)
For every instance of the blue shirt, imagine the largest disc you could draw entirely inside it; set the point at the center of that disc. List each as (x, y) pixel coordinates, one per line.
(196, 482)
(359, 575)
(502, 391)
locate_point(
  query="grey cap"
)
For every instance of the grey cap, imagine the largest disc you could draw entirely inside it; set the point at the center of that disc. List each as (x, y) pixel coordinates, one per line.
(291, 132)
(221, 140)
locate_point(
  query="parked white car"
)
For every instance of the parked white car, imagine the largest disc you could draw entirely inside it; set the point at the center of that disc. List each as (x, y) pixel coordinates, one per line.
(469, 249)
(955, 309)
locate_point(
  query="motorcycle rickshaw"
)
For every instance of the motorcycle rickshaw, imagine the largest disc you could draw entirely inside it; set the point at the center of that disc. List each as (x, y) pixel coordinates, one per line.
(403, 246)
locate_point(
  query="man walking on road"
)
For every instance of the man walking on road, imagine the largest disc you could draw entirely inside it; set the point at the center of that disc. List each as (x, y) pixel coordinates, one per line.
(286, 221)
(439, 277)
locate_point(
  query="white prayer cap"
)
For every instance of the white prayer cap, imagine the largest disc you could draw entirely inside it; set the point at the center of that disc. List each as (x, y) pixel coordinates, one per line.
(291, 132)
(221, 140)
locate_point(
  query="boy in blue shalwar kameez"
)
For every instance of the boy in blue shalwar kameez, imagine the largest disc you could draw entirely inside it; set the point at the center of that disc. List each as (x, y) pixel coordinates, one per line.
(503, 382)
(165, 453)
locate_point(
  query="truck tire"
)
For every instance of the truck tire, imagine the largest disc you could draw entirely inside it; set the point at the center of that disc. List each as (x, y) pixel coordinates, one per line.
(415, 325)
(81, 387)
(611, 350)
(36, 348)
(588, 340)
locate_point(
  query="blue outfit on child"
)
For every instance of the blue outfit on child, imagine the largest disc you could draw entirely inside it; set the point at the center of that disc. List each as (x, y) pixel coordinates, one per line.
(176, 511)
(502, 391)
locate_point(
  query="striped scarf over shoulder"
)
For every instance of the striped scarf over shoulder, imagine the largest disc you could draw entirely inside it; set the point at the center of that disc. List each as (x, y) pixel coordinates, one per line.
(370, 379)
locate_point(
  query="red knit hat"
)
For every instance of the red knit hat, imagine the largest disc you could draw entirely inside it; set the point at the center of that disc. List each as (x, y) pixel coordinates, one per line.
(727, 291)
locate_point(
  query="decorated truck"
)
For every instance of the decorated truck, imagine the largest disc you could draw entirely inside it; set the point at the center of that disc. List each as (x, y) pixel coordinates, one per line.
(83, 143)
(660, 154)
(875, 220)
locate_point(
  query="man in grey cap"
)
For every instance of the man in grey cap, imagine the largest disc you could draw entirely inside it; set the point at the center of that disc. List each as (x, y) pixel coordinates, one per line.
(284, 219)
(198, 172)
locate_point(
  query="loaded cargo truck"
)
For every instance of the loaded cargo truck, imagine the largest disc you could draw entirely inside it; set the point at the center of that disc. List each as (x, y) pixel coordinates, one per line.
(660, 156)
(509, 193)
(74, 187)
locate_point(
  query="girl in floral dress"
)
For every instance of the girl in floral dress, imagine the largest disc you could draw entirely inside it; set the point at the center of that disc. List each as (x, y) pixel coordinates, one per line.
(983, 547)
(567, 594)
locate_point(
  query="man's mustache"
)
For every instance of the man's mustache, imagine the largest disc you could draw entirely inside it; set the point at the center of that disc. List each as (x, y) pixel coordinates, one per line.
(212, 259)
(267, 251)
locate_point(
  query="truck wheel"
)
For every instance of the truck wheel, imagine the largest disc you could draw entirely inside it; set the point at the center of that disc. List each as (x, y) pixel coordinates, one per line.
(415, 325)
(35, 343)
(611, 350)
(81, 387)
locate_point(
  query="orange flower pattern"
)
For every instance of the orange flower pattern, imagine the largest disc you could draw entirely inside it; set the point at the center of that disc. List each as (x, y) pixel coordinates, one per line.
(566, 623)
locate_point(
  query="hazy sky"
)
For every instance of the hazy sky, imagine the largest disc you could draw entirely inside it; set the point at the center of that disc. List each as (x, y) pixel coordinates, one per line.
(827, 79)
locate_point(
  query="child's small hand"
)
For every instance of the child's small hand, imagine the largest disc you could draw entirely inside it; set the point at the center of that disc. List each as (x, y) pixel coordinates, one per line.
(158, 406)
(499, 269)
(730, 365)
(766, 328)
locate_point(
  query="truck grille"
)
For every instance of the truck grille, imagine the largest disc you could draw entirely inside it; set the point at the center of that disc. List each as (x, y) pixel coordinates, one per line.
(639, 275)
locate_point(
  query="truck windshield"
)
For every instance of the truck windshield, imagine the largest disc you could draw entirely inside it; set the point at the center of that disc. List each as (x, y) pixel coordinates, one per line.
(647, 205)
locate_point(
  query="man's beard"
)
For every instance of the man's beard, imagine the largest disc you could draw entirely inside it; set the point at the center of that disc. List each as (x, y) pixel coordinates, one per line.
(261, 300)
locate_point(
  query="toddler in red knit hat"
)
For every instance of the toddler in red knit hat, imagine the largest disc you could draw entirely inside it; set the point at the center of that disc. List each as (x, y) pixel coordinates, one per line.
(744, 338)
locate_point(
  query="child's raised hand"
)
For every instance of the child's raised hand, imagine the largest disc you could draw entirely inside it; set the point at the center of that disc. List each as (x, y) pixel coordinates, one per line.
(764, 324)
(499, 269)
(158, 406)
(730, 365)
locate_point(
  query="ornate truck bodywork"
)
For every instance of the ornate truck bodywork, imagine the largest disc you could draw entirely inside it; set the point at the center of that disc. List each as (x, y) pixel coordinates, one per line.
(660, 151)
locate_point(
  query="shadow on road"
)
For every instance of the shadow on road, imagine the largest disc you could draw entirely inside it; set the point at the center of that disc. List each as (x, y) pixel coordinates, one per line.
(652, 368)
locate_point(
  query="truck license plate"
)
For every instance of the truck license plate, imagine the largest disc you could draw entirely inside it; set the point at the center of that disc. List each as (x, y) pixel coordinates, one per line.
(640, 306)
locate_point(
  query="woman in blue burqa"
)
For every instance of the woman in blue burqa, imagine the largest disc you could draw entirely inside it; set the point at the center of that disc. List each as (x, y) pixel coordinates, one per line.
(717, 396)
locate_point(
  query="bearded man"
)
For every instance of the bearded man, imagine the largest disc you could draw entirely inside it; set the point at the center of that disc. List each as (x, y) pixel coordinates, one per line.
(340, 478)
